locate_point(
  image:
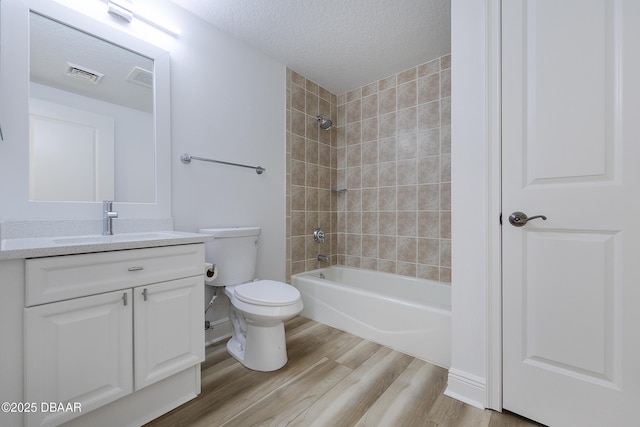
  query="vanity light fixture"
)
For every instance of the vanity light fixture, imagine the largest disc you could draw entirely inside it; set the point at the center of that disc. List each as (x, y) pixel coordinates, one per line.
(123, 9)
(167, 28)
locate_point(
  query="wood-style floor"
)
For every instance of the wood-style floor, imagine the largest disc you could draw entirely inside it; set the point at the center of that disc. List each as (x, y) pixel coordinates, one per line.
(332, 379)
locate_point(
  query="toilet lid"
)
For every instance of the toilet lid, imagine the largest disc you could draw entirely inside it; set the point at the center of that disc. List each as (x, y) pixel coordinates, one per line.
(267, 292)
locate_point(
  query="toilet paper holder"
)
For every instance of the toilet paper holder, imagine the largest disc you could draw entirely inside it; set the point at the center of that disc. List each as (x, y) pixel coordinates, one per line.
(210, 273)
(211, 270)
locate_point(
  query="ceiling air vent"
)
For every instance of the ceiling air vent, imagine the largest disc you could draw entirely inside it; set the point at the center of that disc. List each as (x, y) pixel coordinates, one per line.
(84, 73)
(141, 76)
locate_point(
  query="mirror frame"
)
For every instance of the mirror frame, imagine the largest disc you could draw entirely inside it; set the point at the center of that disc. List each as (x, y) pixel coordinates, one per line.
(14, 114)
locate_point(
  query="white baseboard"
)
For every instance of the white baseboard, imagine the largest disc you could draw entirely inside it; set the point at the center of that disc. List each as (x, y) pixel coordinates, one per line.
(220, 330)
(467, 388)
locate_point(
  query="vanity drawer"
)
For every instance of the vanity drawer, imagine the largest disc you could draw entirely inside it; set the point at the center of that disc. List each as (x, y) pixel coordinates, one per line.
(64, 277)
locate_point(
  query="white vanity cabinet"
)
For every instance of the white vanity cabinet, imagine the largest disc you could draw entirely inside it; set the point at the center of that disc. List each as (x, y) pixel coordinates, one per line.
(168, 329)
(78, 351)
(101, 326)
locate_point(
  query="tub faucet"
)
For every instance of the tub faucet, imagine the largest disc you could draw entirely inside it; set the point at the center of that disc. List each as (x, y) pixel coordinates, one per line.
(323, 258)
(107, 217)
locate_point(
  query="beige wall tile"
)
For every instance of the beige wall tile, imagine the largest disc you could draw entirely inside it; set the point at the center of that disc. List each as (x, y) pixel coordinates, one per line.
(429, 251)
(370, 130)
(370, 106)
(370, 222)
(428, 142)
(429, 67)
(407, 120)
(354, 133)
(407, 75)
(387, 149)
(407, 172)
(407, 146)
(370, 152)
(429, 88)
(298, 123)
(387, 101)
(429, 197)
(407, 224)
(354, 111)
(298, 98)
(387, 225)
(354, 94)
(387, 83)
(407, 199)
(407, 95)
(370, 89)
(390, 146)
(370, 176)
(387, 247)
(429, 115)
(445, 62)
(387, 126)
(407, 249)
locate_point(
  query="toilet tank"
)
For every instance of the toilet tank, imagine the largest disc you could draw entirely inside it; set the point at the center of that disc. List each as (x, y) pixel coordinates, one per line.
(234, 251)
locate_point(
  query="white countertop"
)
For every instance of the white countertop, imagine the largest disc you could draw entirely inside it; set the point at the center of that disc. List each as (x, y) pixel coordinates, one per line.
(34, 247)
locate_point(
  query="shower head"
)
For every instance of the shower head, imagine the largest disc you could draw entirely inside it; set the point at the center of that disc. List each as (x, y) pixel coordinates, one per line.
(325, 124)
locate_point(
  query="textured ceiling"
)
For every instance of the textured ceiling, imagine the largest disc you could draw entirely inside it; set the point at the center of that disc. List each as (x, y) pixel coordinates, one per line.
(339, 44)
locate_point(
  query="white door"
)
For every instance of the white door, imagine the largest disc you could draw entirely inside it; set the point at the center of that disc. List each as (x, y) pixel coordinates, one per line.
(168, 329)
(77, 351)
(571, 151)
(71, 153)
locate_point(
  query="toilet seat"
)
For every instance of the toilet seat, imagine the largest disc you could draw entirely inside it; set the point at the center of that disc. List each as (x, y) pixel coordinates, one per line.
(267, 293)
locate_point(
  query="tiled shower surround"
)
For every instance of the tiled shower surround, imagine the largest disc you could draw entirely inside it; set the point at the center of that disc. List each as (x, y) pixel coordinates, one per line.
(390, 149)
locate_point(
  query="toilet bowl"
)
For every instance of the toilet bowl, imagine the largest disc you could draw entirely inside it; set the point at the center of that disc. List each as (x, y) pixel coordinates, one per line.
(257, 312)
(258, 308)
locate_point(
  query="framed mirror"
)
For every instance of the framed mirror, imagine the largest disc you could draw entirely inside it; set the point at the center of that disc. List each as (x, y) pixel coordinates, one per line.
(91, 115)
(85, 112)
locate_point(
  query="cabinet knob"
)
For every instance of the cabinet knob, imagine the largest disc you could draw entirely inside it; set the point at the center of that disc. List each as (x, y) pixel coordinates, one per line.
(144, 294)
(124, 298)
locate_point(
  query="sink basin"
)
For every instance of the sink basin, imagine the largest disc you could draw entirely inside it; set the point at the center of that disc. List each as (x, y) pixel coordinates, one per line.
(131, 237)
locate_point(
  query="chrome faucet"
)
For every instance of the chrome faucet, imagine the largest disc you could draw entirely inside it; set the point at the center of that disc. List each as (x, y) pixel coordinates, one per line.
(107, 217)
(323, 258)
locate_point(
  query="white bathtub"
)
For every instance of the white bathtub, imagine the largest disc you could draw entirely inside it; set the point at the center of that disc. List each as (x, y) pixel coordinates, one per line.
(407, 314)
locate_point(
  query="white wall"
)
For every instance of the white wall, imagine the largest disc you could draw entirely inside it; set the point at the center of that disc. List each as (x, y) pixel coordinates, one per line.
(228, 103)
(474, 203)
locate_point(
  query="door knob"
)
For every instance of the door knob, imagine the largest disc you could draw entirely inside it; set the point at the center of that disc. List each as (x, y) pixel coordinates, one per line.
(518, 219)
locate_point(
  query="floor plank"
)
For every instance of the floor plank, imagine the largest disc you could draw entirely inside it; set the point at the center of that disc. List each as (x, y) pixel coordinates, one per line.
(409, 398)
(332, 379)
(287, 403)
(349, 400)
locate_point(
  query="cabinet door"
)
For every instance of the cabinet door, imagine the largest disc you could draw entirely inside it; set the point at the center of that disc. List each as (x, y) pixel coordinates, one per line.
(78, 351)
(168, 329)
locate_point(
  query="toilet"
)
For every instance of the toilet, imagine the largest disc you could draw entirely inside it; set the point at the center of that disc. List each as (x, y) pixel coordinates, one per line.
(258, 308)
